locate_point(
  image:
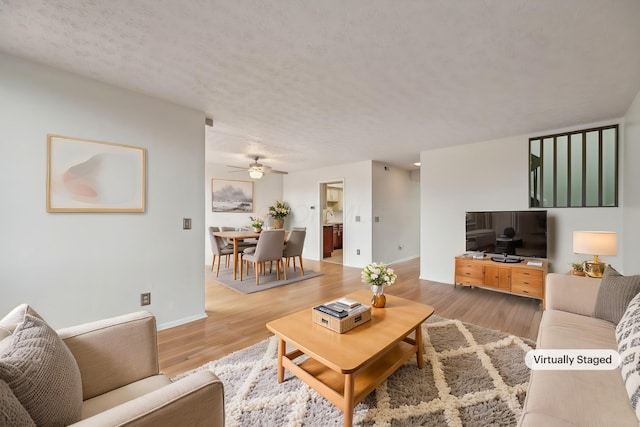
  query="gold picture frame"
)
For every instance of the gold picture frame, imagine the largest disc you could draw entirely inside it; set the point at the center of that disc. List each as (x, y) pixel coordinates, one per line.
(84, 175)
(228, 195)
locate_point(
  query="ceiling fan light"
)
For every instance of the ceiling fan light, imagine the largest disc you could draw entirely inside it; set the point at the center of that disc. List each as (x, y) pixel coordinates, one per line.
(255, 174)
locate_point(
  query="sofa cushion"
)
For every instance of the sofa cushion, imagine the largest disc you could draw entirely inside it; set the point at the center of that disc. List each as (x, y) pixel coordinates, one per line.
(111, 399)
(616, 291)
(628, 337)
(582, 398)
(570, 397)
(4, 332)
(42, 373)
(12, 413)
(564, 330)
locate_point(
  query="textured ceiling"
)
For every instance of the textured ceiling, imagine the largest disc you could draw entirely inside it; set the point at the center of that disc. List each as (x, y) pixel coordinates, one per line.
(316, 83)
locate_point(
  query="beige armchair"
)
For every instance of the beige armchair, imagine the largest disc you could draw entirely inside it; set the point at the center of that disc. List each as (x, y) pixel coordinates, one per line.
(118, 383)
(122, 384)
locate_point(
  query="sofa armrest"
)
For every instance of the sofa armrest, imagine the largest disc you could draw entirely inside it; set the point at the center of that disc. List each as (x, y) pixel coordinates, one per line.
(113, 352)
(574, 294)
(197, 399)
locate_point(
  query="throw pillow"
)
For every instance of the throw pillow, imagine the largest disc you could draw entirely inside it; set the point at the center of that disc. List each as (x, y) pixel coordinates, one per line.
(12, 413)
(614, 295)
(15, 316)
(42, 373)
(628, 338)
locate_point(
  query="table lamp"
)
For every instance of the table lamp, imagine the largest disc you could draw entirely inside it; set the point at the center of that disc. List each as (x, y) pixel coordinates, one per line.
(595, 243)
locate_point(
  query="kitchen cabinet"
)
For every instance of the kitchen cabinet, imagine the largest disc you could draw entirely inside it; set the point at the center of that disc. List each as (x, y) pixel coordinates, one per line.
(334, 198)
(327, 241)
(337, 236)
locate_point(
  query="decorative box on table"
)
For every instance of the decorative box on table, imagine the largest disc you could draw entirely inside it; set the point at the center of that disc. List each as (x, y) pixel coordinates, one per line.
(355, 317)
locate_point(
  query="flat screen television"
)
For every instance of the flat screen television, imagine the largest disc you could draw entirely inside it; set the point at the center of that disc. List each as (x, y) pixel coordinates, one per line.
(516, 233)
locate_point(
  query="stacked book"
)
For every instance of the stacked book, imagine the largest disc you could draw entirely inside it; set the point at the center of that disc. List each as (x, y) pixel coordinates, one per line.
(342, 314)
(340, 308)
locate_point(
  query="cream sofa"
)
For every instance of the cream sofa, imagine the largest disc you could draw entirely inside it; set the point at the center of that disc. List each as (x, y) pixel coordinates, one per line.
(117, 359)
(575, 398)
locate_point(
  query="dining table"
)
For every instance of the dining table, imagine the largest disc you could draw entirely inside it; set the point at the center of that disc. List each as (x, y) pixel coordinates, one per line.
(236, 237)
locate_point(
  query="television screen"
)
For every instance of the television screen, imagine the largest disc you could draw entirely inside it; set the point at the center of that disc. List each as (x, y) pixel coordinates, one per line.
(518, 233)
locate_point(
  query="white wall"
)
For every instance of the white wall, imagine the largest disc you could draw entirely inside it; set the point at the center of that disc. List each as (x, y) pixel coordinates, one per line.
(396, 202)
(492, 175)
(302, 192)
(266, 191)
(76, 267)
(631, 185)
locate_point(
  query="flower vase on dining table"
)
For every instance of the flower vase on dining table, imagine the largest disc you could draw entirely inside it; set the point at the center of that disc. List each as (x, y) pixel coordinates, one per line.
(378, 299)
(278, 224)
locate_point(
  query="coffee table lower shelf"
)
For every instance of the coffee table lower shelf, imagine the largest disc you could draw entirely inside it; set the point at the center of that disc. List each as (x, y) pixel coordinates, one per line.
(346, 389)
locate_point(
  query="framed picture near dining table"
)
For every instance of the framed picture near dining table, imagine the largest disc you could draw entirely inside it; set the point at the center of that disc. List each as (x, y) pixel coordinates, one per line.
(231, 196)
(94, 176)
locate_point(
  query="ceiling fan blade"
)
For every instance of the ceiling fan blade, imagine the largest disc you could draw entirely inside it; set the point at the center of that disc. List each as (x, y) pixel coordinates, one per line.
(276, 171)
(237, 167)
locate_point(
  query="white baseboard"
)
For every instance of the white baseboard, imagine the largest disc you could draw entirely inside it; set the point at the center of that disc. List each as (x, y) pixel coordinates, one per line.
(435, 281)
(405, 259)
(182, 321)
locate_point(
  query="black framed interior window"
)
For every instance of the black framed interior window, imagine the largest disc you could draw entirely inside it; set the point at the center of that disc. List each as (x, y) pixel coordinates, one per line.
(574, 169)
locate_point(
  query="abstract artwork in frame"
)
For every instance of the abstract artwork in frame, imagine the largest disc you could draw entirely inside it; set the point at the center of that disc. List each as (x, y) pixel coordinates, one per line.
(231, 196)
(94, 176)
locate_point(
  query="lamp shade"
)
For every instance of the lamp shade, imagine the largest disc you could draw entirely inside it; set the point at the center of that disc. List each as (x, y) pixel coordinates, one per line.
(595, 243)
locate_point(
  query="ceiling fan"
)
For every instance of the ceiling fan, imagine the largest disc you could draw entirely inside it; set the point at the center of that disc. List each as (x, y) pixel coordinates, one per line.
(256, 170)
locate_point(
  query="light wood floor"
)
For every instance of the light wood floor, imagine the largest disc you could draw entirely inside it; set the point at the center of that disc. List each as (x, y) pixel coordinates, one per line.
(236, 321)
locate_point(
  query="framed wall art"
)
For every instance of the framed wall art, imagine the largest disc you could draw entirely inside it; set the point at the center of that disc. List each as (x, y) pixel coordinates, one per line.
(231, 196)
(93, 176)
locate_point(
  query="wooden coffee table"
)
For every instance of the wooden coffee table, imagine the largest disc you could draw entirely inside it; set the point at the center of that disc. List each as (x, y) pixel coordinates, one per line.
(345, 368)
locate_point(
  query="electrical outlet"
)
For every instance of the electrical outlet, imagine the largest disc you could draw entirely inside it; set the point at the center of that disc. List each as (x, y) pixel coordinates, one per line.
(145, 298)
(377, 219)
(186, 223)
(357, 218)
(357, 251)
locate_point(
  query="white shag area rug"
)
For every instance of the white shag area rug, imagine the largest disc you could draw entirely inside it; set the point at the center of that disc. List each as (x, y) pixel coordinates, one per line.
(472, 376)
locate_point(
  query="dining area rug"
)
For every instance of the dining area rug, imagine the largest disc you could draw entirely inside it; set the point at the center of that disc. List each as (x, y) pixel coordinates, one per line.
(267, 281)
(472, 376)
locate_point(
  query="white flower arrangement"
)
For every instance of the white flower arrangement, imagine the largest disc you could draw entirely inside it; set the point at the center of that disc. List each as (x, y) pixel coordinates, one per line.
(256, 221)
(378, 274)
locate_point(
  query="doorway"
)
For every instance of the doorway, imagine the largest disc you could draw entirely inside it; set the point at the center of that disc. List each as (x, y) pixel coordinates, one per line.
(332, 202)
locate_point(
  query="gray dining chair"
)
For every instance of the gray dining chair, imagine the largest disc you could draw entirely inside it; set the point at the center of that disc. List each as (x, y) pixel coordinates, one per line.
(293, 248)
(269, 248)
(218, 249)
